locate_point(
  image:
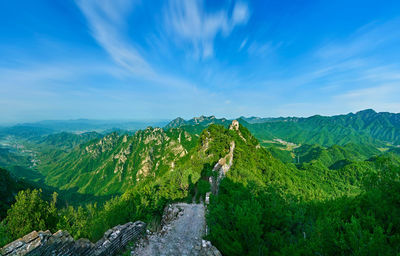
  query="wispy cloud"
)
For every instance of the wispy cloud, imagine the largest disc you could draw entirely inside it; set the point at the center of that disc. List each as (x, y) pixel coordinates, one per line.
(190, 22)
(243, 44)
(260, 49)
(362, 42)
(189, 57)
(356, 72)
(352, 59)
(107, 19)
(383, 97)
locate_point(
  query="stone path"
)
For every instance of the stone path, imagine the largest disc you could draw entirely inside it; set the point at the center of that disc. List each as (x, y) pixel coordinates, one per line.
(184, 226)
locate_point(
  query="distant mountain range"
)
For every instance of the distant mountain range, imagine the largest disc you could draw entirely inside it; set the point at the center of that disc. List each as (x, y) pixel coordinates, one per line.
(77, 126)
(202, 121)
(66, 140)
(365, 126)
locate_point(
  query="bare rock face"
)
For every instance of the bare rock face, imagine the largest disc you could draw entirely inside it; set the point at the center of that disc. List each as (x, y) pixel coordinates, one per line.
(234, 125)
(62, 243)
(171, 213)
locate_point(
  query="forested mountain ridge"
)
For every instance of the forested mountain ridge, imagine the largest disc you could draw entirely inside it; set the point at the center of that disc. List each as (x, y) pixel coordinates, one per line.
(363, 127)
(115, 162)
(203, 121)
(330, 155)
(25, 131)
(324, 206)
(66, 140)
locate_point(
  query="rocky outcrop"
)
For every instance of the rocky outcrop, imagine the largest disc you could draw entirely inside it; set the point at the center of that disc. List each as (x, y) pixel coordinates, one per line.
(234, 126)
(103, 145)
(62, 243)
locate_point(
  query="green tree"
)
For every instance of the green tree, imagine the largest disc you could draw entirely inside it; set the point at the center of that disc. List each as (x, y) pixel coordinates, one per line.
(30, 212)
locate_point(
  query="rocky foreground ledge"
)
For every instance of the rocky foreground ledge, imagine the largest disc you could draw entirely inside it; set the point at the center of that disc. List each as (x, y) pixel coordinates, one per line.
(61, 243)
(183, 226)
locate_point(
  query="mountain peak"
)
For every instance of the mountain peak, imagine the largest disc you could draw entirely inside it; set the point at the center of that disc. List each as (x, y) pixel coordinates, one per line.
(367, 111)
(177, 122)
(201, 120)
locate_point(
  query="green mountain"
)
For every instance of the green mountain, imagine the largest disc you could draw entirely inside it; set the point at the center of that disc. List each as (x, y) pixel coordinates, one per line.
(24, 131)
(256, 120)
(9, 157)
(65, 140)
(265, 207)
(364, 127)
(330, 155)
(202, 121)
(327, 155)
(84, 125)
(21, 155)
(115, 162)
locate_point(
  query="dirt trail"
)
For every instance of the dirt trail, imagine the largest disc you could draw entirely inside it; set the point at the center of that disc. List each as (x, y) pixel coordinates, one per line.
(181, 235)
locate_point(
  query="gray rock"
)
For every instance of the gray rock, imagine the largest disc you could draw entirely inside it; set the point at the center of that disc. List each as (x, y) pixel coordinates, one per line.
(61, 242)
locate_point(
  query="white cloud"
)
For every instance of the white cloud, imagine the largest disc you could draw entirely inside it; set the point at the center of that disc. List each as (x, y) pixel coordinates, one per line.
(381, 98)
(371, 94)
(189, 22)
(106, 19)
(240, 13)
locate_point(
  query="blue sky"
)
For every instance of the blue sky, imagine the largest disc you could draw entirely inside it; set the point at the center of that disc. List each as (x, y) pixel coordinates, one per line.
(117, 59)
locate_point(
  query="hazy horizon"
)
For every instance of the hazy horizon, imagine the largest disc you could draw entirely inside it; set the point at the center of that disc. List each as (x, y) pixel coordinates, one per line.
(166, 120)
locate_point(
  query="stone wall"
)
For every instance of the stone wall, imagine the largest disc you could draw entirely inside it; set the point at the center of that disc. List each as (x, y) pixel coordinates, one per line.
(61, 243)
(221, 168)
